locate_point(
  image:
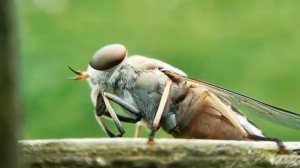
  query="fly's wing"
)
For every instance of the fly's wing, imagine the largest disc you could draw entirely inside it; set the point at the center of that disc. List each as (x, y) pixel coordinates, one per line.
(239, 101)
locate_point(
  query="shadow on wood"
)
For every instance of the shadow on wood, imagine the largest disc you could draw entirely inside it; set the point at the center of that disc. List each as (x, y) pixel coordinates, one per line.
(133, 153)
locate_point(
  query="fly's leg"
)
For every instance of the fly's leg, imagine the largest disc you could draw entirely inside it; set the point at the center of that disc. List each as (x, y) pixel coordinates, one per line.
(133, 112)
(159, 112)
(100, 121)
(151, 137)
(162, 104)
(124, 118)
(281, 148)
(113, 115)
(100, 105)
(103, 107)
(129, 108)
(138, 129)
(99, 111)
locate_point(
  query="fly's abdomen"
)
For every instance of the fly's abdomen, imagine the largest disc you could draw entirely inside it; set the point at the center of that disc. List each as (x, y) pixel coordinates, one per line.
(201, 116)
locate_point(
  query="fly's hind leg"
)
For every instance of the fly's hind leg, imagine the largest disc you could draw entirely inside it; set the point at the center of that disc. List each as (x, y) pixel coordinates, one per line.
(281, 147)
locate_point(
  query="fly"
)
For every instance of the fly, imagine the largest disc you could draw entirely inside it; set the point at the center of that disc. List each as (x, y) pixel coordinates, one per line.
(162, 96)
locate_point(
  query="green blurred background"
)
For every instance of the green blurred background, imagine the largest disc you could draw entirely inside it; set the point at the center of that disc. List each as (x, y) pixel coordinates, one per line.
(251, 47)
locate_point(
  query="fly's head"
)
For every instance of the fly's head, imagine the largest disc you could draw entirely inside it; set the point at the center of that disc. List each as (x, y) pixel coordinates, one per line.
(103, 64)
(108, 58)
(106, 61)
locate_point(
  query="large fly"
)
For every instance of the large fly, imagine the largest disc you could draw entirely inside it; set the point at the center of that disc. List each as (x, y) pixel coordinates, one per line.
(162, 96)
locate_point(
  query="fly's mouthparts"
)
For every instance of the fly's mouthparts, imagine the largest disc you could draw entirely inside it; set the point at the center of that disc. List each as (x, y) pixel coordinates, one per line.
(80, 75)
(76, 72)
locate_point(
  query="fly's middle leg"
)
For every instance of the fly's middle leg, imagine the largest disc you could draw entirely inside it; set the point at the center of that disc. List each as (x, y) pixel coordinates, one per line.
(159, 112)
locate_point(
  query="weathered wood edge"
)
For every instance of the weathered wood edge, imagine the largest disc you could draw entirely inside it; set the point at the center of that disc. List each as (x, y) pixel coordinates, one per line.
(129, 152)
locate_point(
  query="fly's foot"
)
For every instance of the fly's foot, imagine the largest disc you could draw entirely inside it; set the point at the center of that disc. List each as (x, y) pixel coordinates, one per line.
(282, 150)
(296, 151)
(151, 137)
(281, 147)
(150, 141)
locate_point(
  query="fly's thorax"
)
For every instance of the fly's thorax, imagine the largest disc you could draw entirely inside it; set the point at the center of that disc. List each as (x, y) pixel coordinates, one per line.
(118, 81)
(152, 64)
(124, 76)
(147, 92)
(122, 81)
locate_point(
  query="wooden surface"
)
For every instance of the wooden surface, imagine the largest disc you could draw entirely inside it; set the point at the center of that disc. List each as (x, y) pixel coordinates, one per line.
(173, 153)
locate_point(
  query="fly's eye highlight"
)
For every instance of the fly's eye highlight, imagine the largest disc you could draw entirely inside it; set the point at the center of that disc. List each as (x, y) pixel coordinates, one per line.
(108, 57)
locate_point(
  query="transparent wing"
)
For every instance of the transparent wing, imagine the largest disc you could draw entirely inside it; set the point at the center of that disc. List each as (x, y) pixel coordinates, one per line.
(256, 107)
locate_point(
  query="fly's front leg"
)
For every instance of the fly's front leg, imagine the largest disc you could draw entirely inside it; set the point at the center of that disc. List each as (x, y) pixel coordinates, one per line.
(128, 107)
(101, 108)
(160, 110)
(103, 104)
(100, 105)
(113, 115)
(124, 118)
(99, 112)
(101, 122)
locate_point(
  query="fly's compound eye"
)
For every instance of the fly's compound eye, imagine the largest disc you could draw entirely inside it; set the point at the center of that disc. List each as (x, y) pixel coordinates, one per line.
(108, 57)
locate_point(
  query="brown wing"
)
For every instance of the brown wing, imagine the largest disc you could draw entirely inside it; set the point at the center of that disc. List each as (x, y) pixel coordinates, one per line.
(239, 101)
